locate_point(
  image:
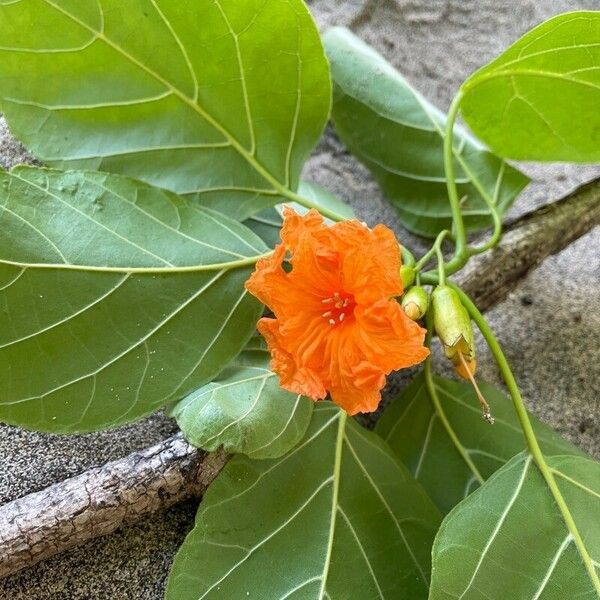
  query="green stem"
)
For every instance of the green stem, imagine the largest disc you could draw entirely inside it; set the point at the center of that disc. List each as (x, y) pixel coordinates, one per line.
(435, 399)
(532, 442)
(408, 258)
(440, 262)
(460, 251)
(497, 233)
(432, 251)
(494, 239)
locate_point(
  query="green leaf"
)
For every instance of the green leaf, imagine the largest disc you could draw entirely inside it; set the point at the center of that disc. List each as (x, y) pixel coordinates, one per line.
(216, 99)
(399, 136)
(540, 99)
(450, 470)
(116, 298)
(336, 517)
(245, 410)
(508, 539)
(268, 222)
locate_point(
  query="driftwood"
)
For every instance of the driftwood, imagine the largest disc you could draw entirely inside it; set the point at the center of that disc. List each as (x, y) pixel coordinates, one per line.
(101, 500)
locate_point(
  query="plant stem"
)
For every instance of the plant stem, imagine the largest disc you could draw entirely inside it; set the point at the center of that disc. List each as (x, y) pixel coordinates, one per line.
(532, 443)
(431, 252)
(440, 262)
(495, 237)
(408, 258)
(460, 251)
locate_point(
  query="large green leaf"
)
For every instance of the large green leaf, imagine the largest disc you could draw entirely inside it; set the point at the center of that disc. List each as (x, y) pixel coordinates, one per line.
(115, 298)
(399, 136)
(540, 99)
(337, 517)
(508, 539)
(245, 410)
(451, 469)
(219, 99)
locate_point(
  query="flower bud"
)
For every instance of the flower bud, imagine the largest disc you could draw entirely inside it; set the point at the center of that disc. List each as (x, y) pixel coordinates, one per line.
(407, 276)
(415, 302)
(453, 326)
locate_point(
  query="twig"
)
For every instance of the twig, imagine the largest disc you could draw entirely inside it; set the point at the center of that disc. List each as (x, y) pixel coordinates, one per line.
(99, 501)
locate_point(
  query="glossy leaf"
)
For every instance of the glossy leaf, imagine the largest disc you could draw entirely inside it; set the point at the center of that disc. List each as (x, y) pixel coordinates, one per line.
(116, 298)
(508, 539)
(399, 136)
(216, 99)
(267, 223)
(450, 470)
(245, 410)
(539, 100)
(337, 517)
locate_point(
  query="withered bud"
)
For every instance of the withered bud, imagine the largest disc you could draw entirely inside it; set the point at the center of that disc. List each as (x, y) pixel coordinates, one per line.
(415, 302)
(453, 327)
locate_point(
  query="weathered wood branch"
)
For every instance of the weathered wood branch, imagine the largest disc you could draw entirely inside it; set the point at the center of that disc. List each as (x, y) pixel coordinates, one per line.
(101, 500)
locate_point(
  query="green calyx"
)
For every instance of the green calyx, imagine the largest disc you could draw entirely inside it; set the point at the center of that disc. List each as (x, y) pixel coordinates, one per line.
(415, 302)
(452, 324)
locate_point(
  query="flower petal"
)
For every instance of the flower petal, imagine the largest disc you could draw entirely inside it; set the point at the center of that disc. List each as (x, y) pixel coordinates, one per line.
(371, 268)
(292, 377)
(337, 327)
(388, 337)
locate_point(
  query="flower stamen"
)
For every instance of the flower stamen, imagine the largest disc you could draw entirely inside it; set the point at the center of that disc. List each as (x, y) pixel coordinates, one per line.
(342, 304)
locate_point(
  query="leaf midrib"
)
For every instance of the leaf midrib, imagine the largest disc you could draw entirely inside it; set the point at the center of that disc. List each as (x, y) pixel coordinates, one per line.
(249, 157)
(168, 268)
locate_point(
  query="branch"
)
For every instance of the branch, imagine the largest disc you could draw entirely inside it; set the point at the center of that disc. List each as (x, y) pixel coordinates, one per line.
(526, 242)
(99, 501)
(102, 500)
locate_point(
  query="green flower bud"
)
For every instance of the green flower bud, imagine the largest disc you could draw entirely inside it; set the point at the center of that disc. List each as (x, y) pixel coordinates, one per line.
(453, 326)
(415, 302)
(407, 276)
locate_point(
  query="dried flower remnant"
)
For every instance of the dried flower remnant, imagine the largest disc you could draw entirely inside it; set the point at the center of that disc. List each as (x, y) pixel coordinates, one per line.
(453, 326)
(338, 328)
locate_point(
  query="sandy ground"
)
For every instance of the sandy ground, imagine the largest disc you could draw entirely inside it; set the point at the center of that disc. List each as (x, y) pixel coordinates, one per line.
(549, 326)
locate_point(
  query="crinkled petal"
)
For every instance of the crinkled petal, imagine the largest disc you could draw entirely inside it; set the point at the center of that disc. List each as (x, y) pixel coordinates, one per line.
(388, 337)
(296, 227)
(371, 266)
(362, 391)
(268, 279)
(292, 377)
(318, 344)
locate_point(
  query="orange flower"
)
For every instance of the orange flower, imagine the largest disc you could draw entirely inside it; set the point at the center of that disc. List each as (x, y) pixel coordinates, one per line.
(337, 326)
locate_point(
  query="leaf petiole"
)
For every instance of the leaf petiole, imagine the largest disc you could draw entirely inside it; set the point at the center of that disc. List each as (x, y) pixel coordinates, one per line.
(460, 252)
